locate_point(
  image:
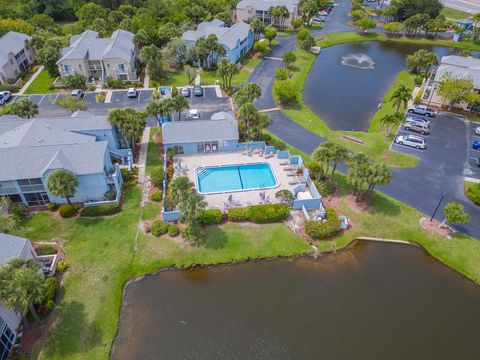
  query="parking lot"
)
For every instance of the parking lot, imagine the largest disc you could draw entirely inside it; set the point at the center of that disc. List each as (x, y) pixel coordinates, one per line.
(206, 105)
(472, 170)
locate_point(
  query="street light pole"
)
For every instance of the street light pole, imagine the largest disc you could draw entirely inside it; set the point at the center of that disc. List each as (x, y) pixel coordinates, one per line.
(438, 205)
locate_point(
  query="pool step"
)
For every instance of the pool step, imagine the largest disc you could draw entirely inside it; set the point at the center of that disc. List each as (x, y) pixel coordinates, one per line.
(204, 173)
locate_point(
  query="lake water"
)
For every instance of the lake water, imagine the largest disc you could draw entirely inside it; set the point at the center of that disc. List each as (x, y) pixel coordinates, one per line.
(375, 301)
(346, 97)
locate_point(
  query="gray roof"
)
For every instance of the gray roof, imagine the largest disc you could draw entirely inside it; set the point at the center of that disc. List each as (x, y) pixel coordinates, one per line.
(264, 5)
(193, 131)
(460, 67)
(12, 246)
(87, 45)
(11, 42)
(79, 121)
(227, 36)
(25, 162)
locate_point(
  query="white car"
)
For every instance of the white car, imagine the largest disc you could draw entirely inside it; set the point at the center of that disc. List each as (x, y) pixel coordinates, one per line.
(78, 93)
(415, 141)
(477, 130)
(132, 92)
(193, 114)
(4, 96)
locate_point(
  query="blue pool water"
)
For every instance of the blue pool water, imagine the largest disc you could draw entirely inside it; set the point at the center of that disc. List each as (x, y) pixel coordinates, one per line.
(235, 178)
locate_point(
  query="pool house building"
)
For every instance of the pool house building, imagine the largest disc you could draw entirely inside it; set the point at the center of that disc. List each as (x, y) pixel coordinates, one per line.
(230, 173)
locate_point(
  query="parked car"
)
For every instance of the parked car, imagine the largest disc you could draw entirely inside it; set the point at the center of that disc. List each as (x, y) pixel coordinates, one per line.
(185, 92)
(319, 19)
(422, 110)
(422, 128)
(322, 13)
(78, 93)
(4, 96)
(477, 130)
(193, 114)
(476, 145)
(417, 119)
(132, 92)
(415, 141)
(197, 90)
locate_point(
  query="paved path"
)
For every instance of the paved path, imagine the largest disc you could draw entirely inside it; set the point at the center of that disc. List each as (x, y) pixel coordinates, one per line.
(469, 6)
(33, 77)
(419, 187)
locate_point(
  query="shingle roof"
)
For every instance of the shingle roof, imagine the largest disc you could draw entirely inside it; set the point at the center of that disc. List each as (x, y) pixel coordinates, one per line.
(192, 131)
(264, 5)
(87, 45)
(227, 36)
(11, 42)
(12, 246)
(81, 159)
(460, 67)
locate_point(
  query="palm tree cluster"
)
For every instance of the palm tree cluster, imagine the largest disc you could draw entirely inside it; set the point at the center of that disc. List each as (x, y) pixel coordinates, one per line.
(227, 70)
(279, 14)
(251, 122)
(309, 8)
(363, 173)
(164, 108)
(129, 122)
(207, 51)
(22, 286)
(420, 61)
(24, 108)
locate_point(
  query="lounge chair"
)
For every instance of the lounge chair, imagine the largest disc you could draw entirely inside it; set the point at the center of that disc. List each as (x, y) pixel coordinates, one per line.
(293, 182)
(291, 173)
(284, 162)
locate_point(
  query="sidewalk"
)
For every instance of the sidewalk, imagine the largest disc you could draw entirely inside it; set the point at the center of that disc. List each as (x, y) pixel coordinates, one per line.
(27, 84)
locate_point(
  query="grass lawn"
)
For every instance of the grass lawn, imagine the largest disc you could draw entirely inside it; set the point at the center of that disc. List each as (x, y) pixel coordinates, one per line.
(454, 14)
(375, 145)
(101, 259)
(153, 150)
(41, 85)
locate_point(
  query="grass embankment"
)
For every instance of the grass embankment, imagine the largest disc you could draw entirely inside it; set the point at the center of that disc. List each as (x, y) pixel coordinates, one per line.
(375, 145)
(42, 84)
(101, 258)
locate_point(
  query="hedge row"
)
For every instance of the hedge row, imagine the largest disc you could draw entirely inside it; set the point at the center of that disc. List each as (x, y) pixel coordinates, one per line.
(210, 217)
(68, 210)
(160, 228)
(325, 228)
(473, 193)
(260, 214)
(100, 210)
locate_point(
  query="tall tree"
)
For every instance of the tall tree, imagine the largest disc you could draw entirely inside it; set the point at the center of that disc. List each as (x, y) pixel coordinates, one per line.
(151, 57)
(179, 103)
(357, 166)
(270, 35)
(247, 93)
(130, 123)
(455, 213)
(258, 27)
(390, 120)
(288, 59)
(421, 61)
(456, 90)
(401, 96)
(192, 206)
(24, 108)
(62, 183)
(22, 285)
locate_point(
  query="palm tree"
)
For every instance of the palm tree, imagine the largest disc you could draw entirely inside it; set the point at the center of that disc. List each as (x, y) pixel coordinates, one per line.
(179, 103)
(401, 96)
(339, 155)
(21, 286)
(322, 155)
(160, 109)
(179, 188)
(24, 108)
(248, 116)
(390, 120)
(258, 27)
(130, 123)
(191, 206)
(62, 183)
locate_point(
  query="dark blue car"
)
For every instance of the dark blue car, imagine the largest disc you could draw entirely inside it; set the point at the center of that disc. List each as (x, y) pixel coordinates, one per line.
(476, 145)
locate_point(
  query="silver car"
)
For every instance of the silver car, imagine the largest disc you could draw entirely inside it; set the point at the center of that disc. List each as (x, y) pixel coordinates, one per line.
(417, 119)
(4, 96)
(414, 141)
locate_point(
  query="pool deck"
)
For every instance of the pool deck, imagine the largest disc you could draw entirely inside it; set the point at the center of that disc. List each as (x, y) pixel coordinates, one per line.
(189, 163)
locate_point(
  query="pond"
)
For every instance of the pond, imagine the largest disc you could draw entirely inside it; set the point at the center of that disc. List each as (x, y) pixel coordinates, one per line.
(347, 82)
(375, 301)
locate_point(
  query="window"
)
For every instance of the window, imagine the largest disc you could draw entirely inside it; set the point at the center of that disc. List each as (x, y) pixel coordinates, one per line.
(67, 69)
(121, 68)
(200, 147)
(80, 67)
(178, 150)
(108, 65)
(7, 338)
(7, 187)
(27, 185)
(37, 199)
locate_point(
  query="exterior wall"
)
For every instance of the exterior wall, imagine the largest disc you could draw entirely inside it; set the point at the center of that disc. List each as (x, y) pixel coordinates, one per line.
(11, 70)
(78, 67)
(242, 48)
(111, 69)
(250, 12)
(191, 148)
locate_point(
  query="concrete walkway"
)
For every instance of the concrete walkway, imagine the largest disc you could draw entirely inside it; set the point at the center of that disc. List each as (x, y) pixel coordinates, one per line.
(27, 84)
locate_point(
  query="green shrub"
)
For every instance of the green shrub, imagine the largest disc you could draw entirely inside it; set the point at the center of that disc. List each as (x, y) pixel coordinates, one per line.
(62, 266)
(157, 196)
(473, 193)
(173, 230)
(52, 206)
(286, 92)
(297, 23)
(100, 97)
(239, 214)
(281, 74)
(18, 210)
(192, 233)
(210, 217)
(45, 250)
(325, 188)
(261, 47)
(75, 81)
(277, 143)
(126, 175)
(8, 87)
(110, 195)
(159, 227)
(266, 137)
(68, 210)
(157, 175)
(285, 195)
(418, 80)
(323, 229)
(418, 99)
(269, 213)
(50, 288)
(100, 210)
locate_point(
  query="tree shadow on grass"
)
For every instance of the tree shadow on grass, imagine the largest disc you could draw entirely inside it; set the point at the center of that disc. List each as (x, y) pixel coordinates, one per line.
(385, 206)
(74, 333)
(214, 238)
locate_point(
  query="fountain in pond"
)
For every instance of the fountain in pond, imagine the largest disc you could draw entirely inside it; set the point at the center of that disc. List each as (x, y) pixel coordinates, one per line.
(358, 61)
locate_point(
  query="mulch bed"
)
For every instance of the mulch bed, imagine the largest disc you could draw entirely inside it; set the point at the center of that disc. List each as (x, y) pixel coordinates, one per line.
(433, 226)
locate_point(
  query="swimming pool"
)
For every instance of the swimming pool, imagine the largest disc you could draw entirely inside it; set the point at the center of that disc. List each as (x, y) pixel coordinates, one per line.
(229, 178)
